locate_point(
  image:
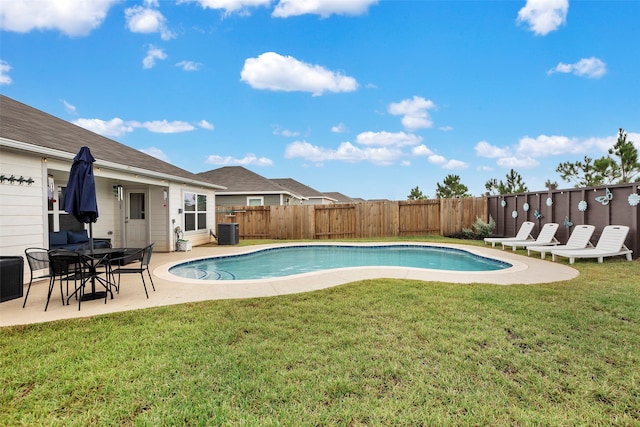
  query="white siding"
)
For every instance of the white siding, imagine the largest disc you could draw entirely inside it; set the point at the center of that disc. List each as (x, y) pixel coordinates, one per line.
(22, 218)
(159, 220)
(21, 211)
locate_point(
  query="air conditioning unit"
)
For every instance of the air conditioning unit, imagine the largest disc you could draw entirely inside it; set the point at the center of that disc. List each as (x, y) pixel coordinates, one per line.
(228, 233)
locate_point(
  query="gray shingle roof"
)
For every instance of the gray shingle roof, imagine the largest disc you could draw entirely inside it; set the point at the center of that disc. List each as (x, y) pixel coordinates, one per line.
(22, 123)
(240, 179)
(298, 188)
(339, 197)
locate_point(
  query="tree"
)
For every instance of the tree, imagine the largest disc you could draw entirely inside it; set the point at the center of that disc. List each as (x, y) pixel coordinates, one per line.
(451, 187)
(551, 184)
(416, 194)
(585, 174)
(514, 184)
(605, 170)
(627, 154)
(491, 186)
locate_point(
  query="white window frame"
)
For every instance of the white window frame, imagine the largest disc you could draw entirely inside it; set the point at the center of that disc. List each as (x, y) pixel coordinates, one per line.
(196, 213)
(259, 198)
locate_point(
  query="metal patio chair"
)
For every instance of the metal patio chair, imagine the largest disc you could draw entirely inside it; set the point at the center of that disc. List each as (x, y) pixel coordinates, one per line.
(125, 265)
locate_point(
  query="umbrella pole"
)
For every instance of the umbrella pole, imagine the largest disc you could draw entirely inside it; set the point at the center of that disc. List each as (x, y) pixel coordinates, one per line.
(91, 237)
(94, 294)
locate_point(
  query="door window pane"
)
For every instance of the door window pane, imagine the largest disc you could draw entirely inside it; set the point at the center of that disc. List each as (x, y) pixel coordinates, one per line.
(136, 206)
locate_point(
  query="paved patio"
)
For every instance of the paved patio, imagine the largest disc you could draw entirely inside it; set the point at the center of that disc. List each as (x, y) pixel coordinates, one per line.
(175, 290)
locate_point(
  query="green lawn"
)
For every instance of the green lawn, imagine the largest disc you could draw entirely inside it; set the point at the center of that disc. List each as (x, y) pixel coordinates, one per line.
(376, 352)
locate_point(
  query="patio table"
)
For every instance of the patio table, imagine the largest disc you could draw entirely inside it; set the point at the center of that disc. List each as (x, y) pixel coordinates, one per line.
(94, 258)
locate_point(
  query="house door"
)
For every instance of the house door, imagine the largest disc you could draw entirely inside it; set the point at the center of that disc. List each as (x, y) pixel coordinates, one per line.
(135, 221)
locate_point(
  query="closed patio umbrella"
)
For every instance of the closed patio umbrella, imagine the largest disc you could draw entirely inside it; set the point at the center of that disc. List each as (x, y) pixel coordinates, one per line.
(80, 197)
(80, 201)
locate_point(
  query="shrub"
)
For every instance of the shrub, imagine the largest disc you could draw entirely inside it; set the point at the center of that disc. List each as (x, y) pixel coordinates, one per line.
(482, 229)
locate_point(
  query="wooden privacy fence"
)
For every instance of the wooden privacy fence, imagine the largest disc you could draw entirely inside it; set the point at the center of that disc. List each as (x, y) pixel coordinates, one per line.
(598, 206)
(359, 220)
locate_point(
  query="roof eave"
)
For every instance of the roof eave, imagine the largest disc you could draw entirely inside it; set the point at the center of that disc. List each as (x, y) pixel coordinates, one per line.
(64, 155)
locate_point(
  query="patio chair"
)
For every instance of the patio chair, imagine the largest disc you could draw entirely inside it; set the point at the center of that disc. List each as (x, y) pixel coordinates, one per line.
(547, 237)
(68, 266)
(580, 238)
(523, 234)
(38, 260)
(141, 258)
(611, 243)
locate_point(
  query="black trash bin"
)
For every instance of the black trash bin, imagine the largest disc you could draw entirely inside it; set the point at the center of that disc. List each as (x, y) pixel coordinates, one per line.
(11, 276)
(229, 234)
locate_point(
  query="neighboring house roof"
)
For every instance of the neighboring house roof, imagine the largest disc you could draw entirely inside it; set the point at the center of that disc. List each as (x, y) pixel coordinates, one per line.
(299, 188)
(239, 180)
(26, 128)
(339, 197)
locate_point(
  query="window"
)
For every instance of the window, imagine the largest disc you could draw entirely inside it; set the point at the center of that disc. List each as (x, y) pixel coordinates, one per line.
(136, 206)
(58, 219)
(255, 201)
(195, 211)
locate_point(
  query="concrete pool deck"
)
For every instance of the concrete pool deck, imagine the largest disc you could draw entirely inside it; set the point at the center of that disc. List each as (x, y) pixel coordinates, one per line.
(172, 290)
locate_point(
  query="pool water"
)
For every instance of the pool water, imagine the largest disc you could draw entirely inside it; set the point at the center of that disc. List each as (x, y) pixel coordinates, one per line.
(290, 260)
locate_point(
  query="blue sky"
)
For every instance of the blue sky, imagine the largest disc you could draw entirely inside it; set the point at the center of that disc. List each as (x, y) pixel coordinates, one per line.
(369, 98)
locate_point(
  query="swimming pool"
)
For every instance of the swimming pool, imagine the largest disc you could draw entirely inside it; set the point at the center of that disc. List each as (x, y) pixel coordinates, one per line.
(299, 259)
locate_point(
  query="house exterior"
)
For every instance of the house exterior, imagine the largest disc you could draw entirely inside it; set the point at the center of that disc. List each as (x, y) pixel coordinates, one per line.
(141, 199)
(247, 188)
(341, 198)
(311, 196)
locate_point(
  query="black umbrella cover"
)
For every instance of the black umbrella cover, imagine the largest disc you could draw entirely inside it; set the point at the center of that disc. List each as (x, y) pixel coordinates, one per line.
(80, 196)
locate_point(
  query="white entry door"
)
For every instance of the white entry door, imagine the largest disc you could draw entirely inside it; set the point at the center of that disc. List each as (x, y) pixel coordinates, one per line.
(135, 221)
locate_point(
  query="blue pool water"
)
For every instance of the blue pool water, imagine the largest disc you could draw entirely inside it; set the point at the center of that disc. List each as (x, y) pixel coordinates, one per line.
(289, 260)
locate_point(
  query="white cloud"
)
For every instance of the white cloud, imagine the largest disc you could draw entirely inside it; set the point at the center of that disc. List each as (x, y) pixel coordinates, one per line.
(189, 65)
(414, 112)
(544, 16)
(70, 109)
(518, 162)
(146, 20)
(339, 128)
(484, 149)
(543, 146)
(454, 164)
(5, 79)
(157, 153)
(275, 72)
(592, 68)
(153, 54)
(421, 150)
(112, 128)
(163, 126)
(205, 125)
(249, 159)
(324, 8)
(73, 18)
(528, 149)
(635, 138)
(229, 6)
(117, 127)
(346, 151)
(437, 159)
(446, 128)
(388, 139)
(381, 148)
(285, 132)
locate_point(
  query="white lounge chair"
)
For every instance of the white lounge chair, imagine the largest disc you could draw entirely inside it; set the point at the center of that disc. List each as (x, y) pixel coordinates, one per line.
(580, 238)
(611, 243)
(523, 234)
(547, 237)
